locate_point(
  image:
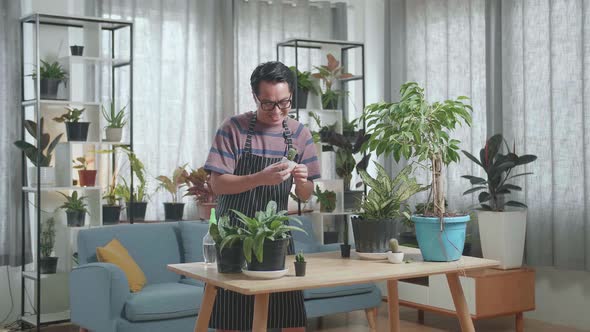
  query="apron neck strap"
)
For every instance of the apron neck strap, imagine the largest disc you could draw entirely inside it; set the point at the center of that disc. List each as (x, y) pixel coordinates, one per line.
(286, 134)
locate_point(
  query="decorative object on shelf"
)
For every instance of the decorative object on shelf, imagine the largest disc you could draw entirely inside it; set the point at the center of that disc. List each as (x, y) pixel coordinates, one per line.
(350, 130)
(111, 211)
(345, 246)
(39, 157)
(76, 130)
(51, 75)
(87, 178)
(115, 122)
(174, 210)
(265, 238)
(198, 186)
(136, 203)
(326, 198)
(300, 264)
(382, 208)
(75, 209)
(414, 128)
(47, 263)
(394, 256)
(304, 86)
(77, 50)
(502, 231)
(329, 74)
(228, 245)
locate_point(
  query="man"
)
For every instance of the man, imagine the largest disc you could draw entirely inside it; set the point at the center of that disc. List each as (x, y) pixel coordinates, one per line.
(246, 173)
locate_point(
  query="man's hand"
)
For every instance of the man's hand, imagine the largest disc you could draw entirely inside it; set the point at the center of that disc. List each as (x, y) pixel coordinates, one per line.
(299, 174)
(273, 174)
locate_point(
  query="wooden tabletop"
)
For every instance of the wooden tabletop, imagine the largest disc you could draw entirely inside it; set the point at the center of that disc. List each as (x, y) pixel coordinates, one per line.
(329, 269)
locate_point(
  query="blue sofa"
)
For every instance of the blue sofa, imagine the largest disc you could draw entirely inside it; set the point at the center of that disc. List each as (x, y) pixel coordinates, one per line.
(100, 299)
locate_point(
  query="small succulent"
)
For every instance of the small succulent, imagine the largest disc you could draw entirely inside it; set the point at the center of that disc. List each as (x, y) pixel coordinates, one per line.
(291, 154)
(393, 245)
(299, 258)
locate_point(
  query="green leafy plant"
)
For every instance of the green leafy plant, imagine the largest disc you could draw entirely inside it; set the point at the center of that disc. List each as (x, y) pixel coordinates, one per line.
(71, 116)
(304, 81)
(299, 257)
(349, 128)
(74, 203)
(199, 187)
(110, 195)
(386, 197)
(326, 198)
(47, 240)
(394, 245)
(172, 185)
(498, 168)
(291, 154)
(123, 190)
(345, 165)
(414, 128)
(51, 70)
(268, 225)
(329, 74)
(225, 234)
(39, 157)
(80, 163)
(114, 118)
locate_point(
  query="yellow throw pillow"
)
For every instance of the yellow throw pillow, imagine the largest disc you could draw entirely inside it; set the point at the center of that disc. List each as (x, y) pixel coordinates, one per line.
(115, 253)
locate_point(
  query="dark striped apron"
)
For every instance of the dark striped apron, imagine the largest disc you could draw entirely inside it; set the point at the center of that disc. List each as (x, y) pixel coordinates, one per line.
(234, 311)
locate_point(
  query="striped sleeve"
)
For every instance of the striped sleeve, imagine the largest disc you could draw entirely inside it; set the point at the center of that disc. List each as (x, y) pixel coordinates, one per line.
(222, 155)
(309, 157)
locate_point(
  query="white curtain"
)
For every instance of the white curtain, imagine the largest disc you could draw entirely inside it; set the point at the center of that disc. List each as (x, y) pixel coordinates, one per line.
(546, 111)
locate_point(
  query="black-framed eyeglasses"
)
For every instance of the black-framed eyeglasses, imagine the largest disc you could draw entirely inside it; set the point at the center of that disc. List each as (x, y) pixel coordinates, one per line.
(269, 106)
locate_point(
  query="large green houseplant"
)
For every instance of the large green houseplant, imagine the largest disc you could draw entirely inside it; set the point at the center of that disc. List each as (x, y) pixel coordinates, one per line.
(502, 230)
(174, 210)
(415, 128)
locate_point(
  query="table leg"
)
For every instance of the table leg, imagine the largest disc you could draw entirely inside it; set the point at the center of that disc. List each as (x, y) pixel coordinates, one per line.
(206, 308)
(421, 317)
(260, 312)
(519, 322)
(393, 304)
(460, 303)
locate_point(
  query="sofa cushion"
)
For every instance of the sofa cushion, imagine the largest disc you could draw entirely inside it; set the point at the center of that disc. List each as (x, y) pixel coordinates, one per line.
(115, 253)
(192, 233)
(337, 291)
(164, 301)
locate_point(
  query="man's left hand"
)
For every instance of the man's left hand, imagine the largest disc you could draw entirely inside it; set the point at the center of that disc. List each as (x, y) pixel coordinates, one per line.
(299, 174)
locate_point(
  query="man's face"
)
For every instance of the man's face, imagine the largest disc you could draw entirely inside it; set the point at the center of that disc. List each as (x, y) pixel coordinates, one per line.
(270, 92)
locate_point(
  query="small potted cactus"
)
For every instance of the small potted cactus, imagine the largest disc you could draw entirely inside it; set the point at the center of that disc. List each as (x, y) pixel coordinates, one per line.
(300, 264)
(394, 256)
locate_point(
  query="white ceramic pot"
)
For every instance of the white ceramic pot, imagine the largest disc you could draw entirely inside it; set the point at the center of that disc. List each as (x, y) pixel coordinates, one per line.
(502, 236)
(113, 134)
(47, 176)
(395, 257)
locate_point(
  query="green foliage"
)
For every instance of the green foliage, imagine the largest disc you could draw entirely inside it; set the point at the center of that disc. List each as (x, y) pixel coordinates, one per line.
(326, 198)
(72, 115)
(304, 81)
(386, 198)
(47, 240)
(291, 154)
(52, 71)
(123, 190)
(110, 195)
(498, 168)
(345, 164)
(349, 128)
(172, 185)
(299, 257)
(394, 245)
(266, 225)
(224, 234)
(114, 118)
(39, 157)
(74, 203)
(82, 163)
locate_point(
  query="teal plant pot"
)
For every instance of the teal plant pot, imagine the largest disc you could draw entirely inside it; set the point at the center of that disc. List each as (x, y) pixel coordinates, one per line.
(437, 246)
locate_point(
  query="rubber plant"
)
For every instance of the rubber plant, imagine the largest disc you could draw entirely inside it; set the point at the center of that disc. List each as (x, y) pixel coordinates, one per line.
(40, 157)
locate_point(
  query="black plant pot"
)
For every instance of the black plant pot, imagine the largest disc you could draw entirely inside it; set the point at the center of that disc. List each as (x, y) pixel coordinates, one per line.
(352, 199)
(111, 214)
(48, 265)
(345, 250)
(406, 238)
(76, 218)
(137, 209)
(300, 269)
(467, 249)
(49, 88)
(373, 235)
(330, 237)
(173, 211)
(273, 257)
(301, 100)
(230, 259)
(77, 50)
(77, 131)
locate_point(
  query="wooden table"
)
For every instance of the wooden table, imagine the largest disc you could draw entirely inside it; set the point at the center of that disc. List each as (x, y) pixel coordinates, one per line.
(329, 269)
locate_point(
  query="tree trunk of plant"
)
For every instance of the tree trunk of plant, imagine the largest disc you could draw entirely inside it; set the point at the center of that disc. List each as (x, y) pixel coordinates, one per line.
(438, 192)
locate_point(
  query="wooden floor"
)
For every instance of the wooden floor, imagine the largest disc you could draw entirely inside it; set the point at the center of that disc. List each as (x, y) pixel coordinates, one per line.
(356, 322)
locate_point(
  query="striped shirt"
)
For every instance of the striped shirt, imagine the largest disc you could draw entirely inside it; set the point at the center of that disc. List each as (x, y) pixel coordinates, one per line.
(267, 142)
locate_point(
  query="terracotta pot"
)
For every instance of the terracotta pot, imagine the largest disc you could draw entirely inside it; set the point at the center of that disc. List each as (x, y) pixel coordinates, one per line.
(205, 210)
(87, 178)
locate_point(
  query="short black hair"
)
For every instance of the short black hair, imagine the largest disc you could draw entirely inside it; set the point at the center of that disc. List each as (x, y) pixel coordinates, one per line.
(272, 71)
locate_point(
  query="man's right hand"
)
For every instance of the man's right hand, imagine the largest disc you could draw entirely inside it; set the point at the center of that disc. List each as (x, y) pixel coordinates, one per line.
(274, 174)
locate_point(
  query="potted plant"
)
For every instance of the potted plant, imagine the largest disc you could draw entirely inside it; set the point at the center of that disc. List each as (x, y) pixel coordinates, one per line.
(115, 122)
(198, 186)
(136, 203)
(40, 157)
(47, 263)
(300, 264)
(111, 211)
(266, 238)
(349, 130)
(51, 75)
(394, 256)
(329, 74)
(407, 237)
(502, 230)
(304, 86)
(174, 210)
(86, 177)
(75, 209)
(414, 128)
(75, 130)
(77, 50)
(326, 198)
(228, 245)
(382, 208)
